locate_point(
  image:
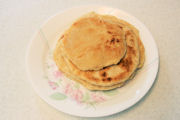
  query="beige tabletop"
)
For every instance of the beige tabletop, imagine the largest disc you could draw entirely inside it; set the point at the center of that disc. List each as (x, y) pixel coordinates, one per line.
(19, 19)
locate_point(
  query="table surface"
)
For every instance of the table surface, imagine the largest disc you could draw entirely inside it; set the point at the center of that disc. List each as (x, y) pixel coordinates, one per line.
(19, 19)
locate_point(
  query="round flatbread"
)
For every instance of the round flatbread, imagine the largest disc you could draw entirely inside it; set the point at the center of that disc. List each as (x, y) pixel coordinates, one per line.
(92, 43)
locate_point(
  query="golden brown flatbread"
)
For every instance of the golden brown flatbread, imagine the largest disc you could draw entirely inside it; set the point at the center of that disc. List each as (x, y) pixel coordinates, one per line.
(108, 77)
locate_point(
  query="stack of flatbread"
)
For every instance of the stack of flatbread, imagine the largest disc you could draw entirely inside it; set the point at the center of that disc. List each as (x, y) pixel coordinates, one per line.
(101, 52)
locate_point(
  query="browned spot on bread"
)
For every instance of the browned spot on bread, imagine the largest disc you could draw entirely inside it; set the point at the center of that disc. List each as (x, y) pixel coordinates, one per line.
(62, 37)
(109, 32)
(112, 41)
(131, 50)
(120, 26)
(117, 40)
(104, 74)
(126, 63)
(109, 79)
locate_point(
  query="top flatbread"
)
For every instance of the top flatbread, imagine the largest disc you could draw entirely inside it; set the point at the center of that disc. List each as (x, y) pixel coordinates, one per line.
(92, 43)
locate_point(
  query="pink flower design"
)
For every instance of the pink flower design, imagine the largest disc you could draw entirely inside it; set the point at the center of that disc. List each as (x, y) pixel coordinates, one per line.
(97, 98)
(53, 85)
(77, 95)
(68, 89)
(57, 74)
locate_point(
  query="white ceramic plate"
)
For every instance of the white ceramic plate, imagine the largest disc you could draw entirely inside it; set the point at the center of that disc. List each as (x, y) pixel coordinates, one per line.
(70, 97)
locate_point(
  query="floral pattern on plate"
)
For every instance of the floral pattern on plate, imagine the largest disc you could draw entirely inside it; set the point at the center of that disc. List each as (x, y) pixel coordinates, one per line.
(64, 88)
